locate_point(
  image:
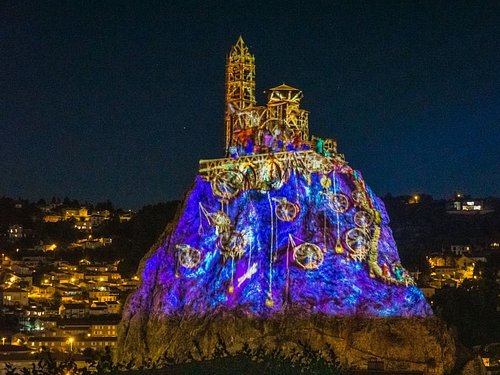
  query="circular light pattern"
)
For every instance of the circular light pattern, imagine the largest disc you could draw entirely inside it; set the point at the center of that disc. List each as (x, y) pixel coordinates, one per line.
(308, 255)
(358, 243)
(188, 257)
(363, 219)
(286, 211)
(227, 184)
(339, 202)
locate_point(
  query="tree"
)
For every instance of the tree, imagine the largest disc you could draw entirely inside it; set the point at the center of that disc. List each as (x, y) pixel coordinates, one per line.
(57, 299)
(107, 205)
(471, 310)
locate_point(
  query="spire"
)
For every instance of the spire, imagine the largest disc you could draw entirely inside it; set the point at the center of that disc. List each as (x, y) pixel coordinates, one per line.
(240, 42)
(240, 52)
(240, 84)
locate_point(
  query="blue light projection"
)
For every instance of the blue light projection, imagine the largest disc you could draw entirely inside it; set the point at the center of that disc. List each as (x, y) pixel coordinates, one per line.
(280, 224)
(262, 274)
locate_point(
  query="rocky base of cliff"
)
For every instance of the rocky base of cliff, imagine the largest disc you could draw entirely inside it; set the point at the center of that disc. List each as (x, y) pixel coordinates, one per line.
(416, 344)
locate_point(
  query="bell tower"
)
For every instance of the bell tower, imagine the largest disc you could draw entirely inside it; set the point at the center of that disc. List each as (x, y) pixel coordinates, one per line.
(240, 86)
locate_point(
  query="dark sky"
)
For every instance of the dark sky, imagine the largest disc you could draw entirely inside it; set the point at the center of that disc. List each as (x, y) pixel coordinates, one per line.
(119, 100)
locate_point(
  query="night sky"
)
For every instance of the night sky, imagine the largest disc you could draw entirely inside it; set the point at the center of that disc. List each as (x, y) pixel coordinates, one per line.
(119, 100)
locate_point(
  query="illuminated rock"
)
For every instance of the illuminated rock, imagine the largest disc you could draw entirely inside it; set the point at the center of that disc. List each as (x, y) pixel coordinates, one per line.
(280, 235)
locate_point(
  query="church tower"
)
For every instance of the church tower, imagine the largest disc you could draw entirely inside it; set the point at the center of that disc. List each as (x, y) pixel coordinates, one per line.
(240, 86)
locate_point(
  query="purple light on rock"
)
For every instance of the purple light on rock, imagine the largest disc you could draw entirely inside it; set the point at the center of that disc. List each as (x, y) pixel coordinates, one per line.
(340, 286)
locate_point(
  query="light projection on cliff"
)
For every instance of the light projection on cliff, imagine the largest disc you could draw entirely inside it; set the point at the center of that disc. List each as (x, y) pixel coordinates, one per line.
(282, 223)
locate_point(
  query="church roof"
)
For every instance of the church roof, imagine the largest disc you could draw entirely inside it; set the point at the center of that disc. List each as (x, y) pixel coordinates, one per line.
(284, 87)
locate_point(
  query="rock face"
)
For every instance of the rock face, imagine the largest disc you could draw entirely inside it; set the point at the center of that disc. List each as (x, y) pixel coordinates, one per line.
(182, 312)
(401, 343)
(240, 257)
(279, 245)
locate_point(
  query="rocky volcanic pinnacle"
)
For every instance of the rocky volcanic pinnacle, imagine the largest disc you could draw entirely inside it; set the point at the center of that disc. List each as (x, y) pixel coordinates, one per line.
(278, 245)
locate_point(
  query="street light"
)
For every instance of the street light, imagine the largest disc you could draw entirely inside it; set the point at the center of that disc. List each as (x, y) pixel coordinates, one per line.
(3, 340)
(71, 339)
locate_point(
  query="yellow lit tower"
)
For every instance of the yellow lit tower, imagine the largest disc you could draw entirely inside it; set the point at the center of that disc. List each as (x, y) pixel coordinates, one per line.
(240, 87)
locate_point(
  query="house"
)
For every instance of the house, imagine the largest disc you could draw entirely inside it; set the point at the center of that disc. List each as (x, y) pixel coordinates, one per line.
(19, 338)
(98, 308)
(34, 261)
(98, 217)
(34, 311)
(84, 262)
(73, 310)
(65, 343)
(460, 249)
(465, 205)
(92, 244)
(52, 218)
(465, 262)
(449, 283)
(21, 268)
(14, 296)
(98, 277)
(51, 311)
(69, 292)
(102, 295)
(51, 342)
(114, 276)
(54, 277)
(84, 225)
(73, 327)
(129, 285)
(96, 342)
(49, 322)
(16, 232)
(70, 277)
(101, 268)
(125, 216)
(30, 324)
(22, 281)
(114, 307)
(64, 266)
(42, 292)
(478, 258)
(80, 214)
(104, 329)
(6, 262)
